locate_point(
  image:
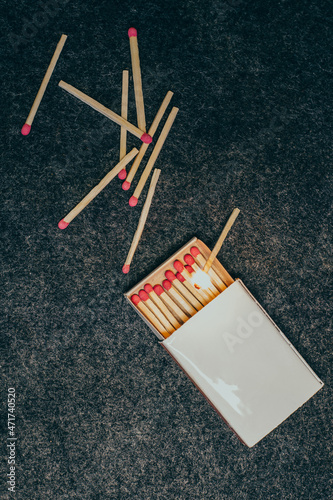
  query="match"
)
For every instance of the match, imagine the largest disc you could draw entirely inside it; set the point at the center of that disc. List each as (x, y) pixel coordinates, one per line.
(127, 184)
(178, 298)
(208, 287)
(96, 190)
(142, 221)
(160, 304)
(217, 281)
(27, 126)
(123, 131)
(173, 307)
(106, 112)
(149, 315)
(200, 294)
(140, 109)
(183, 290)
(155, 310)
(156, 151)
(221, 239)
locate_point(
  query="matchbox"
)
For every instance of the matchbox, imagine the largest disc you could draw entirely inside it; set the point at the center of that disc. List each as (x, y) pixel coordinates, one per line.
(234, 353)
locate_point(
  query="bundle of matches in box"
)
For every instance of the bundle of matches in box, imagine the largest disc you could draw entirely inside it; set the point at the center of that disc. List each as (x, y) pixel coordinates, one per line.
(182, 286)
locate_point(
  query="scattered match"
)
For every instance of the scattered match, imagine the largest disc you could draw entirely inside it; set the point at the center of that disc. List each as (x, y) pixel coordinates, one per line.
(123, 131)
(27, 126)
(136, 70)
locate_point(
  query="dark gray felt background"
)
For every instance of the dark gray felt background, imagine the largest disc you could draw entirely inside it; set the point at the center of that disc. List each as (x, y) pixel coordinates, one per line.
(102, 411)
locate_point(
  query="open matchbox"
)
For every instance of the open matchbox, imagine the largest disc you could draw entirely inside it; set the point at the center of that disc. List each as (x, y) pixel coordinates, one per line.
(236, 356)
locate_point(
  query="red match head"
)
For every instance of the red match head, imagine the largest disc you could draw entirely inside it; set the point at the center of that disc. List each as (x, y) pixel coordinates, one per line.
(122, 174)
(126, 185)
(62, 224)
(189, 269)
(167, 285)
(132, 32)
(170, 276)
(195, 251)
(146, 138)
(178, 266)
(148, 288)
(143, 295)
(158, 290)
(180, 277)
(25, 130)
(126, 269)
(135, 299)
(133, 201)
(189, 259)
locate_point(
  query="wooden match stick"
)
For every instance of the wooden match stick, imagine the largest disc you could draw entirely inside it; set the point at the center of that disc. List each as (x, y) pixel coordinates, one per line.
(144, 147)
(221, 239)
(106, 112)
(154, 309)
(183, 290)
(156, 151)
(27, 126)
(171, 304)
(178, 298)
(149, 315)
(160, 304)
(96, 190)
(142, 221)
(217, 281)
(140, 108)
(123, 131)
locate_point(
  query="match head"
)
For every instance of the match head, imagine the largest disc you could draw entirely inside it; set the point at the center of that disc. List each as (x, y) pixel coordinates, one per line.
(126, 185)
(189, 259)
(126, 269)
(122, 174)
(167, 285)
(62, 224)
(158, 290)
(180, 277)
(143, 295)
(170, 276)
(189, 269)
(146, 138)
(178, 266)
(135, 299)
(132, 201)
(25, 130)
(195, 251)
(148, 288)
(132, 32)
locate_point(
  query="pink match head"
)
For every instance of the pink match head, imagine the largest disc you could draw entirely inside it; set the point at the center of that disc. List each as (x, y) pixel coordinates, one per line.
(146, 138)
(195, 251)
(25, 130)
(158, 290)
(178, 266)
(62, 224)
(189, 269)
(132, 32)
(135, 299)
(170, 276)
(132, 201)
(122, 174)
(167, 285)
(143, 295)
(126, 269)
(126, 185)
(189, 259)
(180, 277)
(148, 288)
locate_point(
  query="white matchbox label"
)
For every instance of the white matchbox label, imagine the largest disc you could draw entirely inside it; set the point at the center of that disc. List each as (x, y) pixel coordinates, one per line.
(243, 364)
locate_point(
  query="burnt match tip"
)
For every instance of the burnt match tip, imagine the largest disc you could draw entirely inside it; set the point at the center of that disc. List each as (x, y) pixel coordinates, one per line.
(132, 32)
(135, 299)
(25, 130)
(126, 269)
(122, 174)
(146, 138)
(62, 224)
(126, 185)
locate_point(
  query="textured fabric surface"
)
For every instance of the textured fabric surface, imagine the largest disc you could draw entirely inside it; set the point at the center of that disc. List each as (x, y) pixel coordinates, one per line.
(102, 412)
